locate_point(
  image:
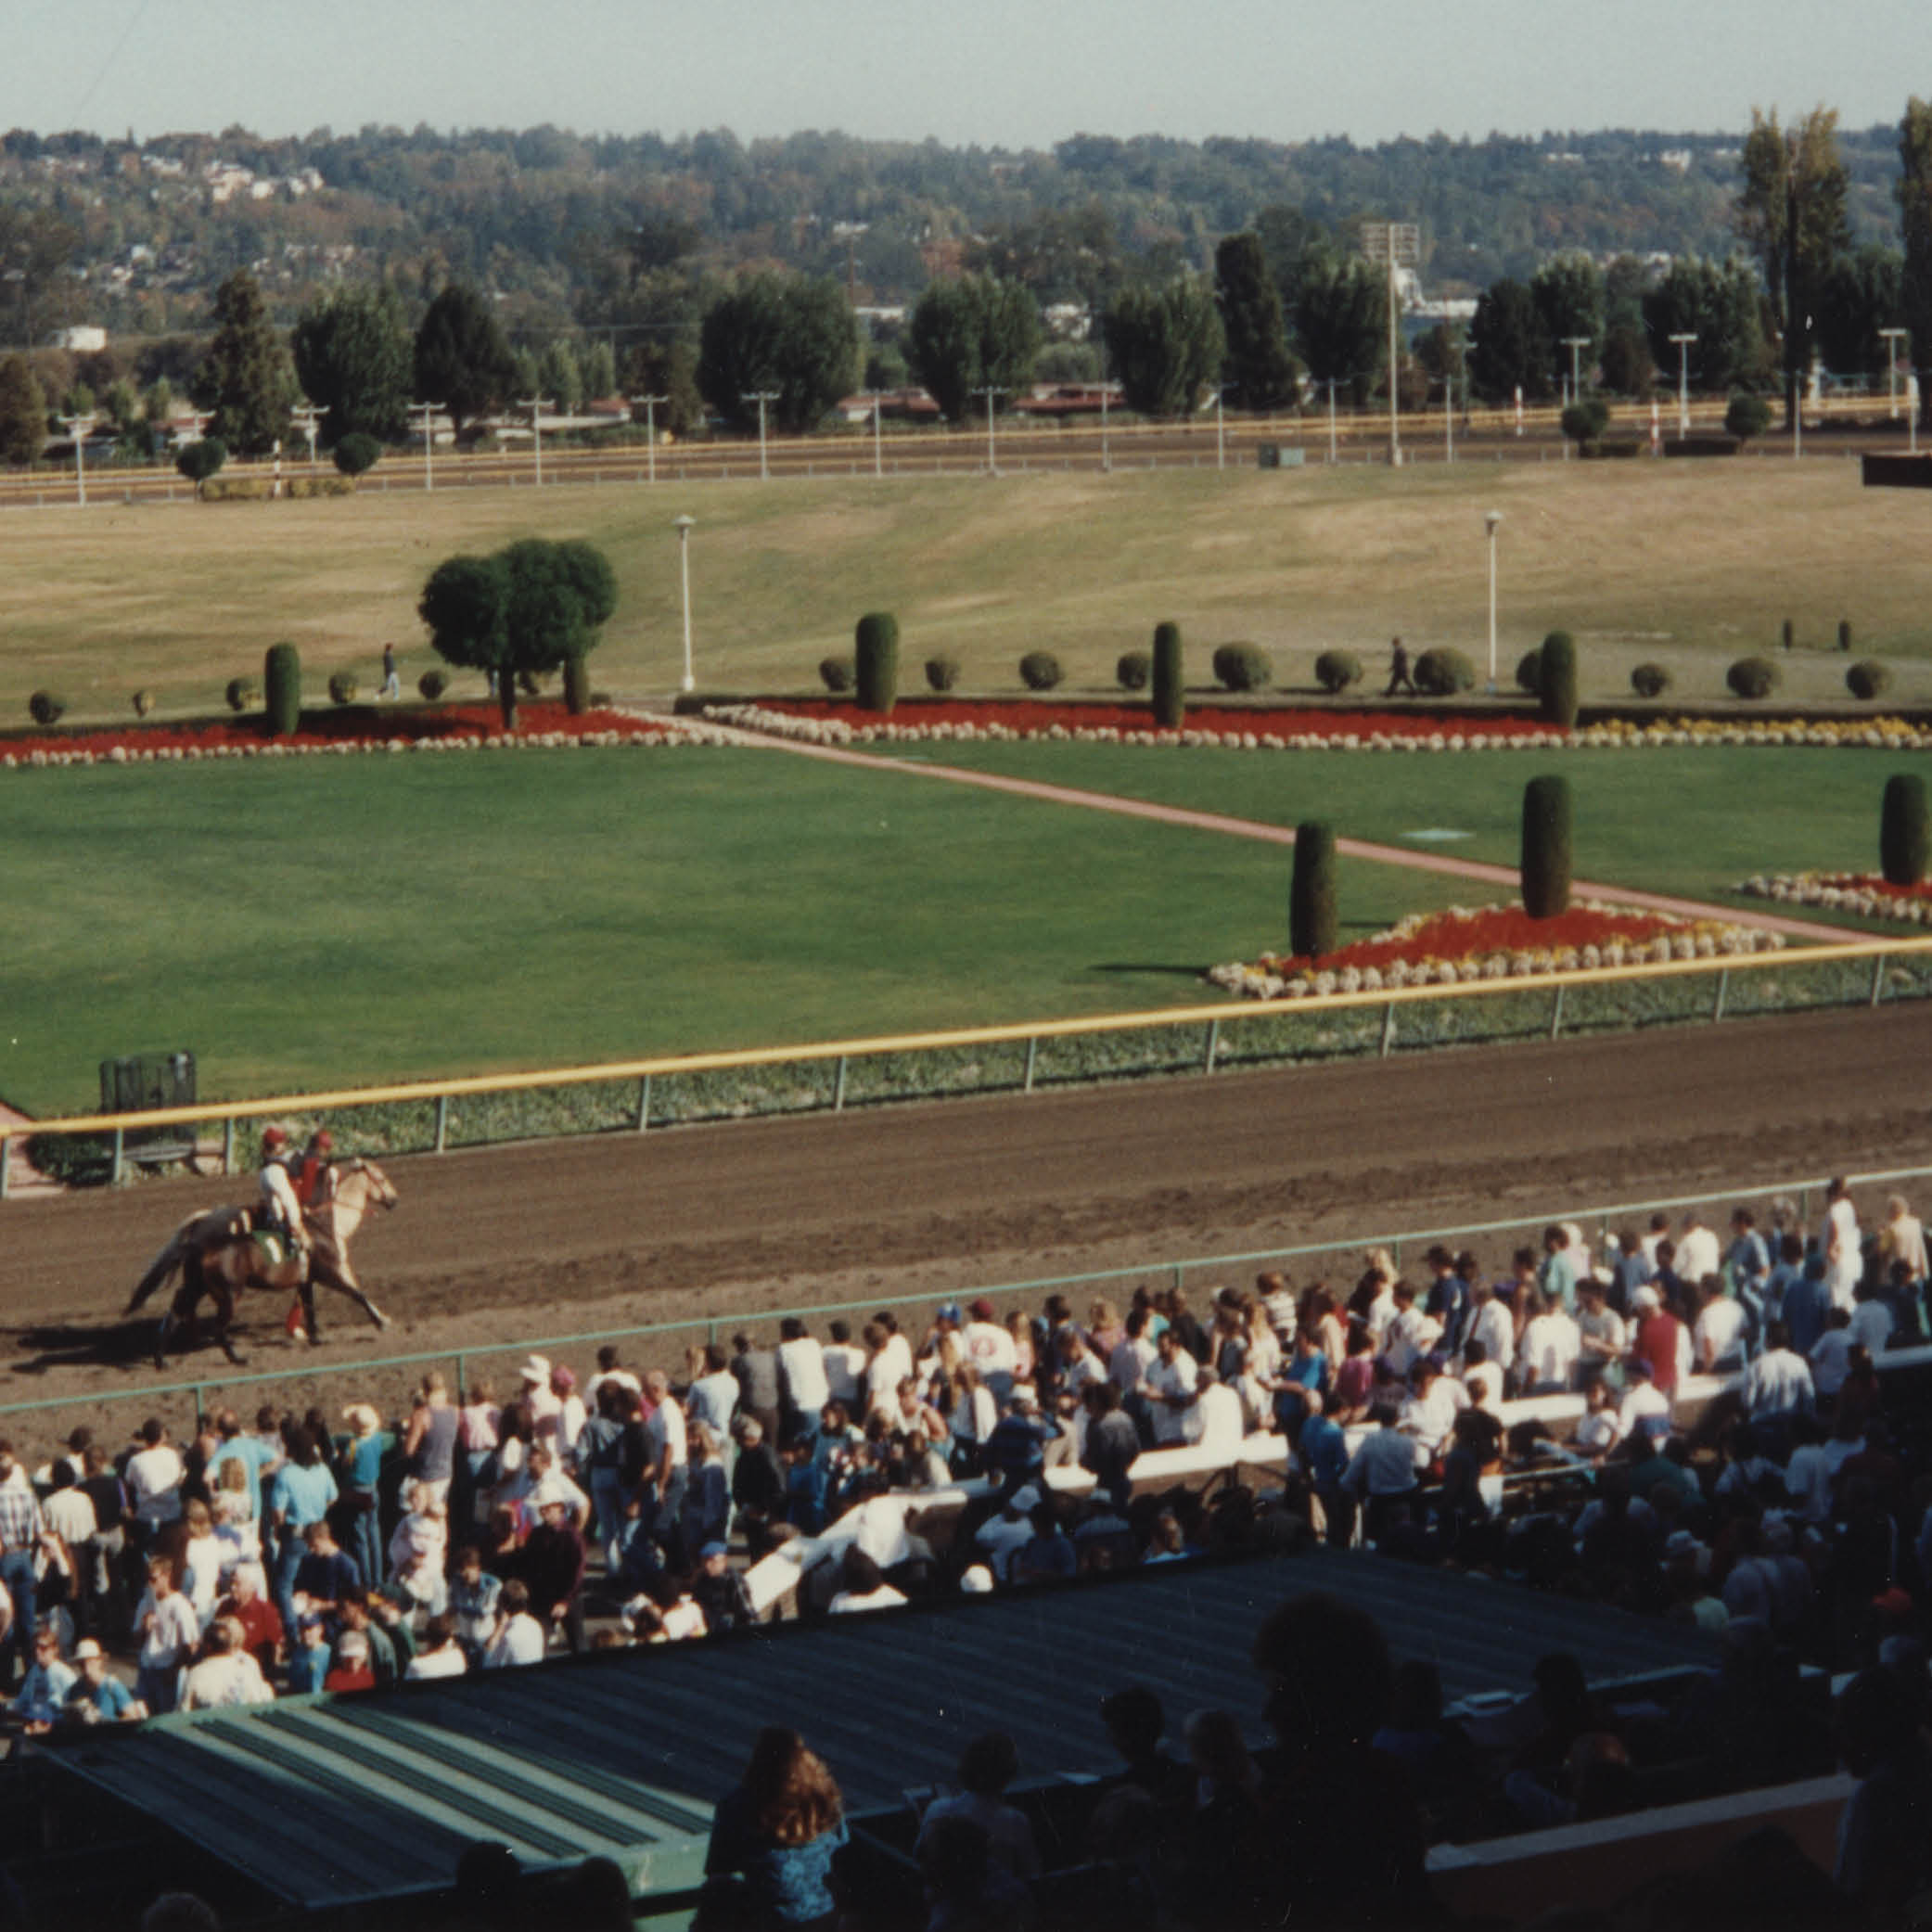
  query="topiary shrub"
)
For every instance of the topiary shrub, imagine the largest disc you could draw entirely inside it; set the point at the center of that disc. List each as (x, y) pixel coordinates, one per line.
(344, 687)
(1586, 420)
(1868, 678)
(44, 708)
(1170, 692)
(1442, 672)
(433, 684)
(577, 684)
(1557, 680)
(875, 646)
(281, 679)
(357, 453)
(1311, 924)
(1748, 417)
(1336, 671)
(198, 461)
(1844, 634)
(1650, 681)
(941, 672)
(1242, 667)
(243, 694)
(301, 487)
(1788, 633)
(1039, 670)
(144, 703)
(1546, 864)
(1752, 677)
(1133, 669)
(840, 674)
(1528, 670)
(1904, 833)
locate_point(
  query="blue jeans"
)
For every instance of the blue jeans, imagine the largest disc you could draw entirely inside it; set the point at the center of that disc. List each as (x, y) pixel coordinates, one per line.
(286, 1564)
(364, 1539)
(606, 1503)
(16, 1573)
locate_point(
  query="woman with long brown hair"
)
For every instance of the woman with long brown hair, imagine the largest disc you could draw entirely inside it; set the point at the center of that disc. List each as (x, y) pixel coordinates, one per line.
(778, 1831)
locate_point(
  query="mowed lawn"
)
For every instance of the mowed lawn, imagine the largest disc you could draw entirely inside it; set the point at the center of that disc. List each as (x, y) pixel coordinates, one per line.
(1690, 565)
(323, 921)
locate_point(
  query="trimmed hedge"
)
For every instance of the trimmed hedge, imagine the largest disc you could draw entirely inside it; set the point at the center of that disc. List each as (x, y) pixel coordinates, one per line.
(281, 679)
(1868, 678)
(840, 674)
(941, 672)
(1753, 678)
(1242, 667)
(344, 687)
(1905, 835)
(1170, 691)
(876, 659)
(301, 487)
(1441, 672)
(1039, 670)
(1336, 671)
(45, 708)
(1528, 670)
(233, 490)
(356, 453)
(1546, 847)
(1747, 416)
(1650, 681)
(1312, 921)
(1133, 669)
(243, 694)
(433, 684)
(1557, 680)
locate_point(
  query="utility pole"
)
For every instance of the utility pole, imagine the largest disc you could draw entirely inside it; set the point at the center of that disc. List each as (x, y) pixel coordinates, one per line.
(537, 405)
(1220, 436)
(1892, 370)
(650, 430)
(685, 526)
(992, 393)
(78, 426)
(1576, 345)
(306, 416)
(1395, 244)
(1107, 461)
(762, 396)
(427, 410)
(1683, 343)
(878, 398)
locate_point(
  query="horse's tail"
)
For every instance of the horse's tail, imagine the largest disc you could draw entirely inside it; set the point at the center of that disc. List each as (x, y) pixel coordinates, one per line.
(162, 1267)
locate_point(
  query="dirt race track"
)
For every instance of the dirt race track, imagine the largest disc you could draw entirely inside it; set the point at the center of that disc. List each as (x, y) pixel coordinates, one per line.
(489, 1247)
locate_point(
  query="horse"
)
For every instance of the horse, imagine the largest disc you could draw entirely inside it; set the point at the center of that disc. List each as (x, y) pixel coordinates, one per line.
(217, 1255)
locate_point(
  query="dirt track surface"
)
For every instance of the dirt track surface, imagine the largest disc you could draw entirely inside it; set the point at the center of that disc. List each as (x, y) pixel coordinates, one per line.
(547, 1238)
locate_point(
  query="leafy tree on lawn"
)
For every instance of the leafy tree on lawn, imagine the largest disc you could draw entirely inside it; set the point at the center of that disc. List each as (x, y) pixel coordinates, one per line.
(23, 411)
(599, 370)
(1716, 303)
(36, 249)
(462, 361)
(246, 376)
(970, 331)
(356, 358)
(667, 369)
(1257, 359)
(1862, 293)
(559, 378)
(1512, 346)
(1341, 318)
(782, 333)
(1915, 218)
(1165, 344)
(525, 610)
(1569, 291)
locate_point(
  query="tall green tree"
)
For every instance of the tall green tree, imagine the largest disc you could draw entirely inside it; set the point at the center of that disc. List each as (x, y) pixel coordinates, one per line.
(1165, 344)
(1862, 292)
(968, 332)
(36, 247)
(559, 378)
(668, 368)
(1511, 345)
(246, 376)
(1791, 215)
(356, 358)
(788, 334)
(1569, 292)
(599, 369)
(1716, 303)
(1341, 318)
(1259, 364)
(462, 360)
(23, 411)
(1915, 219)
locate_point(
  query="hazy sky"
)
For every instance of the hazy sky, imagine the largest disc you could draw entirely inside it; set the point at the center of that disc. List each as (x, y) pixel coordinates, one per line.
(995, 73)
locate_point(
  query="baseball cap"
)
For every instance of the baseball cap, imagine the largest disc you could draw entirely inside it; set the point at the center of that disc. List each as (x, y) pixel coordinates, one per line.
(86, 1648)
(714, 1549)
(982, 1309)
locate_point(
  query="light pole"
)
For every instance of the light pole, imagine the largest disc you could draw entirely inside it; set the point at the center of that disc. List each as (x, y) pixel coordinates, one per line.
(1892, 370)
(684, 526)
(536, 405)
(1332, 457)
(878, 461)
(1220, 433)
(760, 396)
(1107, 461)
(1683, 343)
(426, 410)
(650, 432)
(306, 417)
(78, 426)
(992, 393)
(1576, 345)
(1393, 243)
(1491, 519)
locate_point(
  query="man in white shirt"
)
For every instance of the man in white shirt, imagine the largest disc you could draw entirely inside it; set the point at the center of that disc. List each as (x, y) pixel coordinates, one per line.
(1831, 1353)
(1482, 1378)
(1844, 1258)
(1128, 1365)
(1551, 1345)
(1212, 1421)
(1697, 1250)
(1871, 1320)
(227, 1675)
(845, 1367)
(1435, 1401)
(1644, 1405)
(1382, 1468)
(1169, 1387)
(1718, 1334)
(441, 1655)
(1411, 1334)
(801, 1375)
(667, 1446)
(1492, 1326)
(990, 1349)
(1779, 1382)
(153, 1477)
(518, 1638)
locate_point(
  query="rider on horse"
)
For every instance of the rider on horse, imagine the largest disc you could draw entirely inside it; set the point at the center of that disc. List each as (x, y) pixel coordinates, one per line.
(311, 1174)
(281, 1201)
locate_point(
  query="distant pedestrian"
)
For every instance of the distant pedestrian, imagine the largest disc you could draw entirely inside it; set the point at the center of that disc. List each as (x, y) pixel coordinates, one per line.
(391, 683)
(1399, 678)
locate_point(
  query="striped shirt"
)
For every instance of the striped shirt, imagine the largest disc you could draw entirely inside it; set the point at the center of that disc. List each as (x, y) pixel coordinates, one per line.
(19, 1515)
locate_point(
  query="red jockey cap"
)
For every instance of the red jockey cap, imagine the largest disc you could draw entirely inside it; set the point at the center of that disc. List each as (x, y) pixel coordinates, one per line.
(275, 1137)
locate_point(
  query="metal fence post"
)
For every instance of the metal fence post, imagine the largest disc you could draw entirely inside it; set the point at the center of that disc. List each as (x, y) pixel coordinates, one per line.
(1878, 978)
(1032, 1056)
(644, 1103)
(442, 1123)
(228, 1145)
(120, 1149)
(1387, 1028)
(1717, 1005)
(1556, 1013)
(838, 1088)
(1213, 1046)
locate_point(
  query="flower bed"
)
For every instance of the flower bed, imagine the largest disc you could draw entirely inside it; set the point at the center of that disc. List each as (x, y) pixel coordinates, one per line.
(457, 727)
(916, 721)
(1461, 945)
(1865, 893)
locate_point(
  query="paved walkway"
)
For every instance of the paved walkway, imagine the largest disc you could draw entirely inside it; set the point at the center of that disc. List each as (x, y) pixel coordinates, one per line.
(1440, 863)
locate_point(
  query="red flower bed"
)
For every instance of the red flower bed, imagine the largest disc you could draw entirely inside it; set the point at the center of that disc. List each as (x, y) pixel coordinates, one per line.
(1497, 929)
(1873, 882)
(320, 730)
(1222, 719)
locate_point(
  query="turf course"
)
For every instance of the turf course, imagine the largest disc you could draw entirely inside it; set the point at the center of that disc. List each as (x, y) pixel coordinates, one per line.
(1688, 564)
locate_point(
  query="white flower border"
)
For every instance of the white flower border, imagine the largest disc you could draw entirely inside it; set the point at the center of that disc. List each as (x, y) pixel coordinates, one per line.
(1693, 939)
(1809, 889)
(1888, 734)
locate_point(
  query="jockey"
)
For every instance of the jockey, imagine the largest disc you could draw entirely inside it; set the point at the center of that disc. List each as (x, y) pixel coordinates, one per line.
(282, 1206)
(311, 1175)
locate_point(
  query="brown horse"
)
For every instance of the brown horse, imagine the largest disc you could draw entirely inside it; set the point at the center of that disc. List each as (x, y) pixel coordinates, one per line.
(218, 1257)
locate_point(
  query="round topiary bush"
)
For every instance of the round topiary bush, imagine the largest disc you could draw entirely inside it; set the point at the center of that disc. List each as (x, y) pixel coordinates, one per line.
(356, 453)
(1903, 832)
(577, 684)
(344, 687)
(1242, 667)
(1133, 669)
(876, 659)
(1441, 672)
(1650, 681)
(1557, 680)
(941, 672)
(1170, 691)
(1844, 634)
(44, 708)
(840, 674)
(1546, 847)
(1748, 417)
(1312, 923)
(243, 694)
(144, 703)
(281, 679)
(1528, 670)
(1336, 671)
(1752, 677)
(1039, 670)
(1868, 678)
(433, 684)
(198, 461)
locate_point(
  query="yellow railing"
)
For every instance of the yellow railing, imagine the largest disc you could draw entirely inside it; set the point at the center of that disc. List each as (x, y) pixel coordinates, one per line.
(1217, 1016)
